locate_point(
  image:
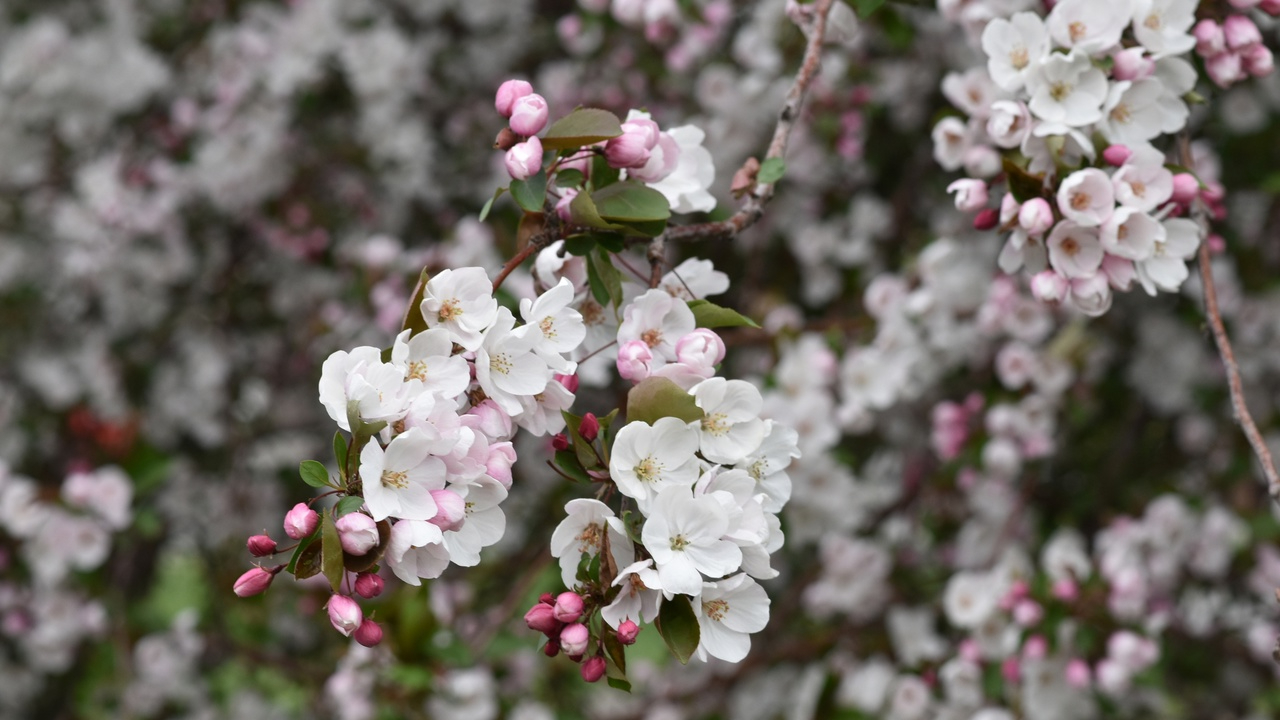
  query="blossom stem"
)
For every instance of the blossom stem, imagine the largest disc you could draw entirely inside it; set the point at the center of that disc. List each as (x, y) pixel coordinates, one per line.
(1214, 315)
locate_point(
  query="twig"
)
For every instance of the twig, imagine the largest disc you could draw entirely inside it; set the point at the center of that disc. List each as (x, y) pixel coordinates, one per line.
(753, 209)
(1214, 315)
(536, 243)
(657, 260)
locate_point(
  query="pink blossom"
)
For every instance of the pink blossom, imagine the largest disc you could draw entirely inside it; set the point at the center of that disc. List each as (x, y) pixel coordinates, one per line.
(369, 633)
(254, 582)
(508, 93)
(568, 607)
(529, 115)
(301, 521)
(524, 160)
(344, 614)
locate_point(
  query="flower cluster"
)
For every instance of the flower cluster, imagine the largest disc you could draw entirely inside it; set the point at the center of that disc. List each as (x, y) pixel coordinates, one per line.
(1233, 50)
(1051, 86)
(432, 420)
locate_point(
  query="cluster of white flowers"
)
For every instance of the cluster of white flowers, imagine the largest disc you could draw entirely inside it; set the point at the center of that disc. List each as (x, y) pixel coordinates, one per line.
(451, 397)
(1051, 86)
(708, 490)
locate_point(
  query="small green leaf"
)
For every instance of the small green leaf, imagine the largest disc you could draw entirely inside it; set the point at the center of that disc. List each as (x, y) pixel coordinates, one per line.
(709, 315)
(608, 275)
(413, 320)
(584, 126)
(348, 505)
(340, 451)
(314, 473)
(484, 211)
(631, 201)
(569, 178)
(307, 559)
(568, 463)
(297, 552)
(367, 430)
(602, 175)
(772, 170)
(618, 684)
(530, 194)
(330, 551)
(1022, 184)
(678, 627)
(657, 397)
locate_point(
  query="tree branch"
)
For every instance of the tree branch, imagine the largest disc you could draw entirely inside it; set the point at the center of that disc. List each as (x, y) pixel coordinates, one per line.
(1214, 315)
(753, 209)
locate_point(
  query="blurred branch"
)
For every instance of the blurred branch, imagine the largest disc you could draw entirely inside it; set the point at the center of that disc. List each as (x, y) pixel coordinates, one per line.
(1214, 315)
(814, 27)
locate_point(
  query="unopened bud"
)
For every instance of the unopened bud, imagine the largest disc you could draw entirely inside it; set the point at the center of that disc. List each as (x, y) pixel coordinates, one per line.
(254, 582)
(451, 510)
(568, 607)
(529, 114)
(574, 638)
(369, 633)
(1048, 286)
(301, 521)
(627, 632)
(589, 428)
(357, 532)
(986, 219)
(552, 648)
(593, 669)
(570, 382)
(261, 545)
(369, 585)
(542, 617)
(1185, 188)
(559, 442)
(1117, 155)
(344, 614)
(508, 93)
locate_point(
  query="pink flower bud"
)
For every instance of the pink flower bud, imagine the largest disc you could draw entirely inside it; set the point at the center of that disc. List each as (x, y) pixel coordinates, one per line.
(970, 651)
(261, 545)
(552, 648)
(593, 669)
(498, 465)
(986, 219)
(1117, 155)
(508, 93)
(574, 638)
(368, 585)
(1132, 64)
(1048, 287)
(701, 349)
(357, 532)
(570, 382)
(451, 510)
(525, 159)
(1036, 216)
(631, 149)
(495, 423)
(301, 521)
(1065, 589)
(1240, 32)
(971, 195)
(344, 614)
(1270, 7)
(369, 633)
(634, 358)
(1225, 68)
(529, 114)
(542, 617)
(1011, 669)
(568, 607)
(1258, 60)
(627, 632)
(1209, 38)
(589, 428)
(254, 582)
(981, 161)
(1035, 647)
(559, 442)
(1027, 613)
(1185, 188)
(1077, 673)
(562, 205)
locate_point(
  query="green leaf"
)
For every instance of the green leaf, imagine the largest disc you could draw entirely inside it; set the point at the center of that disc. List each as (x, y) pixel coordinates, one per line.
(570, 178)
(568, 463)
(314, 473)
(617, 683)
(348, 505)
(630, 201)
(657, 397)
(602, 175)
(484, 211)
(340, 450)
(307, 558)
(643, 228)
(582, 449)
(678, 627)
(367, 430)
(604, 278)
(612, 243)
(584, 126)
(582, 211)
(330, 551)
(1022, 184)
(616, 654)
(771, 170)
(413, 320)
(709, 315)
(530, 194)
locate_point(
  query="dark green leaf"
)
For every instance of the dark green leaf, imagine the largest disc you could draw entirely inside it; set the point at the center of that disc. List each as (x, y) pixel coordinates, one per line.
(413, 320)
(330, 551)
(307, 559)
(631, 201)
(340, 451)
(348, 505)
(678, 627)
(656, 397)
(569, 178)
(771, 170)
(584, 126)
(1022, 184)
(709, 315)
(609, 275)
(568, 463)
(297, 552)
(367, 430)
(615, 653)
(582, 211)
(531, 193)
(642, 228)
(602, 175)
(314, 473)
(618, 684)
(612, 243)
(484, 211)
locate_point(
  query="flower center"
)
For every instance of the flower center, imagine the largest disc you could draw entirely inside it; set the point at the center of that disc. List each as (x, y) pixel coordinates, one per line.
(1139, 189)
(589, 538)
(1122, 232)
(397, 479)
(1070, 247)
(500, 363)
(592, 313)
(1152, 22)
(652, 337)
(1080, 201)
(449, 310)
(1018, 58)
(679, 543)
(1060, 90)
(758, 469)
(548, 327)
(715, 609)
(417, 370)
(648, 469)
(715, 424)
(1077, 30)
(1121, 113)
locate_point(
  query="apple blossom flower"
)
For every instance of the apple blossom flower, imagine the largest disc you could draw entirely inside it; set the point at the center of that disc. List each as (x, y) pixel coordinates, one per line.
(360, 382)
(1130, 233)
(1166, 269)
(1068, 89)
(971, 195)
(648, 458)
(416, 550)
(687, 186)
(398, 480)
(428, 359)
(683, 535)
(1088, 27)
(559, 327)
(731, 428)
(1162, 26)
(1086, 197)
(659, 320)
(639, 598)
(1014, 48)
(460, 301)
(728, 612)
(507, 366)
(1091, 294)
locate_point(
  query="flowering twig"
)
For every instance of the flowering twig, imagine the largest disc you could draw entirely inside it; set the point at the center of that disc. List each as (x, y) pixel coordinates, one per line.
(753, 209)
(1214, 316)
